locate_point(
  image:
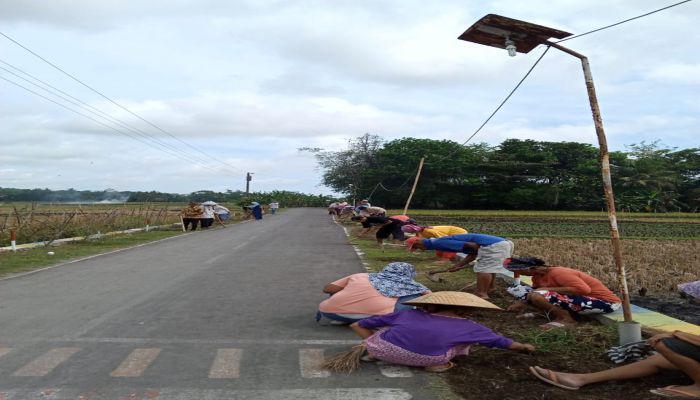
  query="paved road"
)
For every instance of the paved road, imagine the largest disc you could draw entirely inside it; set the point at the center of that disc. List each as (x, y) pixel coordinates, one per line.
(219, 314)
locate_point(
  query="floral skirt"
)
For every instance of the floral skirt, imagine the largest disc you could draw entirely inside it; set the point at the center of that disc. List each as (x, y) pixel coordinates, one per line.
(385, 351)
(580, 304)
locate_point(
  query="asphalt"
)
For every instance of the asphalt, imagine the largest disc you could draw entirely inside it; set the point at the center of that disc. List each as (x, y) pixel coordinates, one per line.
(158, 321)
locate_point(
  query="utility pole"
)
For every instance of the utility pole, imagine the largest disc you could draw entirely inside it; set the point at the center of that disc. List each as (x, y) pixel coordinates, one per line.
(248, 178)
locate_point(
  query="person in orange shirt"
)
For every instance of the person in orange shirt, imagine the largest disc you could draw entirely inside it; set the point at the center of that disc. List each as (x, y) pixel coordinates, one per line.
(561, 292)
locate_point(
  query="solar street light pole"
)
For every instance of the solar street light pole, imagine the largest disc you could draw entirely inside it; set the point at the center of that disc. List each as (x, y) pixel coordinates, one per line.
(607, 180)
(521, 37)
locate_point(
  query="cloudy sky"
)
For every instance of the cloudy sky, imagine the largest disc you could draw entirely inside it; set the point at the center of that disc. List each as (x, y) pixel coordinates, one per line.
(207, 90)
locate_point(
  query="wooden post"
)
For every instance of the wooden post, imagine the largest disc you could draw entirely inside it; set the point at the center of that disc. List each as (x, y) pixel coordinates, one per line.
(415, 183)
(182, 222)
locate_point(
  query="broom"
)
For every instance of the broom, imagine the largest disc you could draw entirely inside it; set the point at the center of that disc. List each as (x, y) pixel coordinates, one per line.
(345, 362)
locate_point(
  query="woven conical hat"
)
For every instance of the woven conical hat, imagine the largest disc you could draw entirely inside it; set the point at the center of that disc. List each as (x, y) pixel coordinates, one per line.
(461, 299)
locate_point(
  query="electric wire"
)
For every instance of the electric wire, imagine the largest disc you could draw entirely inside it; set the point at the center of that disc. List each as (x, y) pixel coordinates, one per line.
(622, 22)
(101, 123)
(115, 103)
(79, 103)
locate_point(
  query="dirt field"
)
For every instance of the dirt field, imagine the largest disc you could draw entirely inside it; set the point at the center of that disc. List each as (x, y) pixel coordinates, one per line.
(496, 374)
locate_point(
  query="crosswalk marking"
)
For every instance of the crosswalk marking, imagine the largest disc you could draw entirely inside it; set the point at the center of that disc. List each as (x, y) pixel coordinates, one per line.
(395, 371)
(181, 393)
(46, 362)
(136, 363)
(309, 363)
(227, 364)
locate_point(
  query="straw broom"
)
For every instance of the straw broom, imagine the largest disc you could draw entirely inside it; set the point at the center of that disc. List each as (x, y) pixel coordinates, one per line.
(345, 362)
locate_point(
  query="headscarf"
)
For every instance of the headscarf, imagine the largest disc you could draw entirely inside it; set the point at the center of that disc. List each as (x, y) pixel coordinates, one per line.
(522, 263)
(411, 228)
(396, 280)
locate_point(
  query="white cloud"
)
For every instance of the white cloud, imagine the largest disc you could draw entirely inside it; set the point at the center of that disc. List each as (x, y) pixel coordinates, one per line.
(248, 82)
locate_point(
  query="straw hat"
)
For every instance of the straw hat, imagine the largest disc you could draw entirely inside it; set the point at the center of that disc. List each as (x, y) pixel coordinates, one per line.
(461, 299)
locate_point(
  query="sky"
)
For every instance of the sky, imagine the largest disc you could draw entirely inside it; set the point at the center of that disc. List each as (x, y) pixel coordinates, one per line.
(193, 94)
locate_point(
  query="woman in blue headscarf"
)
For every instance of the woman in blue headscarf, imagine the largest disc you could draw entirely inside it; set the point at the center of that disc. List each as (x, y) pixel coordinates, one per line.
(363, 295)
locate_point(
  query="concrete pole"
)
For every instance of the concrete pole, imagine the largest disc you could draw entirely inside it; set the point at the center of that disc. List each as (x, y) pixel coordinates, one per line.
(607, 180)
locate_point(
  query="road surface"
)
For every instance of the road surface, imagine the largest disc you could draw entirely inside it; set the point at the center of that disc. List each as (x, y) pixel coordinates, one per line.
(218, 314)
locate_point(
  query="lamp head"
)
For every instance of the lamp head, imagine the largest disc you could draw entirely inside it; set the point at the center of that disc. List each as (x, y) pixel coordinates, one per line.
(510, 46)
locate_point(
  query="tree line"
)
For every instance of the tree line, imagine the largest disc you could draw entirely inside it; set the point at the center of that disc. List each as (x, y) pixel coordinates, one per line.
(517, 174)
(285, 198)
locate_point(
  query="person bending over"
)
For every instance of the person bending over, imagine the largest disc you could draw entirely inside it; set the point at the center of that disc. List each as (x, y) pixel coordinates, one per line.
(363, 295)
(431, 335)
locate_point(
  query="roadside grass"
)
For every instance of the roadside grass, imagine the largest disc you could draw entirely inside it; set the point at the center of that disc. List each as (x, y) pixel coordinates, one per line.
(29, 259)
(589, 339)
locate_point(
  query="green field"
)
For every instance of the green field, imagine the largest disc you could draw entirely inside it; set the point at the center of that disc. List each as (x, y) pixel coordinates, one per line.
(683, 226)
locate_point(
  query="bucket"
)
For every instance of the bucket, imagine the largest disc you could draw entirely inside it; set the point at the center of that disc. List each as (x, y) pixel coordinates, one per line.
(629, 332)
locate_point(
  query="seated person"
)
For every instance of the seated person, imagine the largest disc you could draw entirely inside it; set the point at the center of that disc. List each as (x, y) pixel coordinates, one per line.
(388, 226)
(363, 295)
(430, 232)
(677, 350)
(561, 291)
(431, 335)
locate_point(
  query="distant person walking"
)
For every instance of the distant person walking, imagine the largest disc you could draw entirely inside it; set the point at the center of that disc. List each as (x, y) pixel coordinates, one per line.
(273, 207)
(257, 210)
(207, 216)
(191, 216)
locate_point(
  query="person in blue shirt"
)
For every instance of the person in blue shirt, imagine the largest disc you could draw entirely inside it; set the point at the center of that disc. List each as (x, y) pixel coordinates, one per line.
(488, 251)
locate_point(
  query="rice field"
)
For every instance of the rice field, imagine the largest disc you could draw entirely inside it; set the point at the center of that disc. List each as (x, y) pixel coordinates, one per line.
(38, 222)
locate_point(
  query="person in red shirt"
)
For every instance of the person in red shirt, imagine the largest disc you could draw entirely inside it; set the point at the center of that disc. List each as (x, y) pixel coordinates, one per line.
(560, 292)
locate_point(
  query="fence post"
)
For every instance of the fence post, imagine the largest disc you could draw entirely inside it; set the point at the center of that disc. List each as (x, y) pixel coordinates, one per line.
(13, 239)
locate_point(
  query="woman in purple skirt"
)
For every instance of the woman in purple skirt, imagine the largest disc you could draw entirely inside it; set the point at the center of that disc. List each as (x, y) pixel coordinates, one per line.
(431, 335)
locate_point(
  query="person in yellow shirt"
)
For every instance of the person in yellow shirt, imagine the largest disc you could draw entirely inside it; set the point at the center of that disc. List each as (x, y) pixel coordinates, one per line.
(429, 232)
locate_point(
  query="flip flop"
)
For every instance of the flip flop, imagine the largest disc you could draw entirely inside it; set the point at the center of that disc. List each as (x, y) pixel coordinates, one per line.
(675, 392)
(553, 325)
(440, 368)
(551, 378)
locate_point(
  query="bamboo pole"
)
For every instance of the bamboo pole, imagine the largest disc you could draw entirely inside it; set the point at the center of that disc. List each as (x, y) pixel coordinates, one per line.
(415, 183)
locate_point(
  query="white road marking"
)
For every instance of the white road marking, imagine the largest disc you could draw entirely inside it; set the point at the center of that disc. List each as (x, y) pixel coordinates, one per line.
(136, 363)
(227, 364)
(395, 371)
(309, 363)
(221, 342)
(289, 394)
(208, 394)
(46, 362)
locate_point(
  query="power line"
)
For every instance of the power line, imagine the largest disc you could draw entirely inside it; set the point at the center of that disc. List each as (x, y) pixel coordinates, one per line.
(115, 103)
(100, 122)
(79, 103)
(622, 22)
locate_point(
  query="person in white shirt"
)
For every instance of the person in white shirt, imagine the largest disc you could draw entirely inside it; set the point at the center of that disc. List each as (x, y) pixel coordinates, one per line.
(207, 216)
(273, 207)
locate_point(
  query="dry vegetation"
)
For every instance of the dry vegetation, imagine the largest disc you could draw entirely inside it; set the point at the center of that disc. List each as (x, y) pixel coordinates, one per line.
(657, 265)
(35, 223)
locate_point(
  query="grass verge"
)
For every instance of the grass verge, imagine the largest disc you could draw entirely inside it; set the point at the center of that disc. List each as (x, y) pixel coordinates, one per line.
(39, 257)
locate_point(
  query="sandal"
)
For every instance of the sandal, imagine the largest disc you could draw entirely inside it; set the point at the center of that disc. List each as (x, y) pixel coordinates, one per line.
(440, 368)
(550, 377)
(674, 391)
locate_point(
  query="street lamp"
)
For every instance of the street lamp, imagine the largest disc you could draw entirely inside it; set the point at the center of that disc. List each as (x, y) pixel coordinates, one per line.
(520, 36)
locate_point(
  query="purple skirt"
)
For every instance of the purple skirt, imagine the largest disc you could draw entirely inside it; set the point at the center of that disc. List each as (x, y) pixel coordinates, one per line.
(391, 353)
